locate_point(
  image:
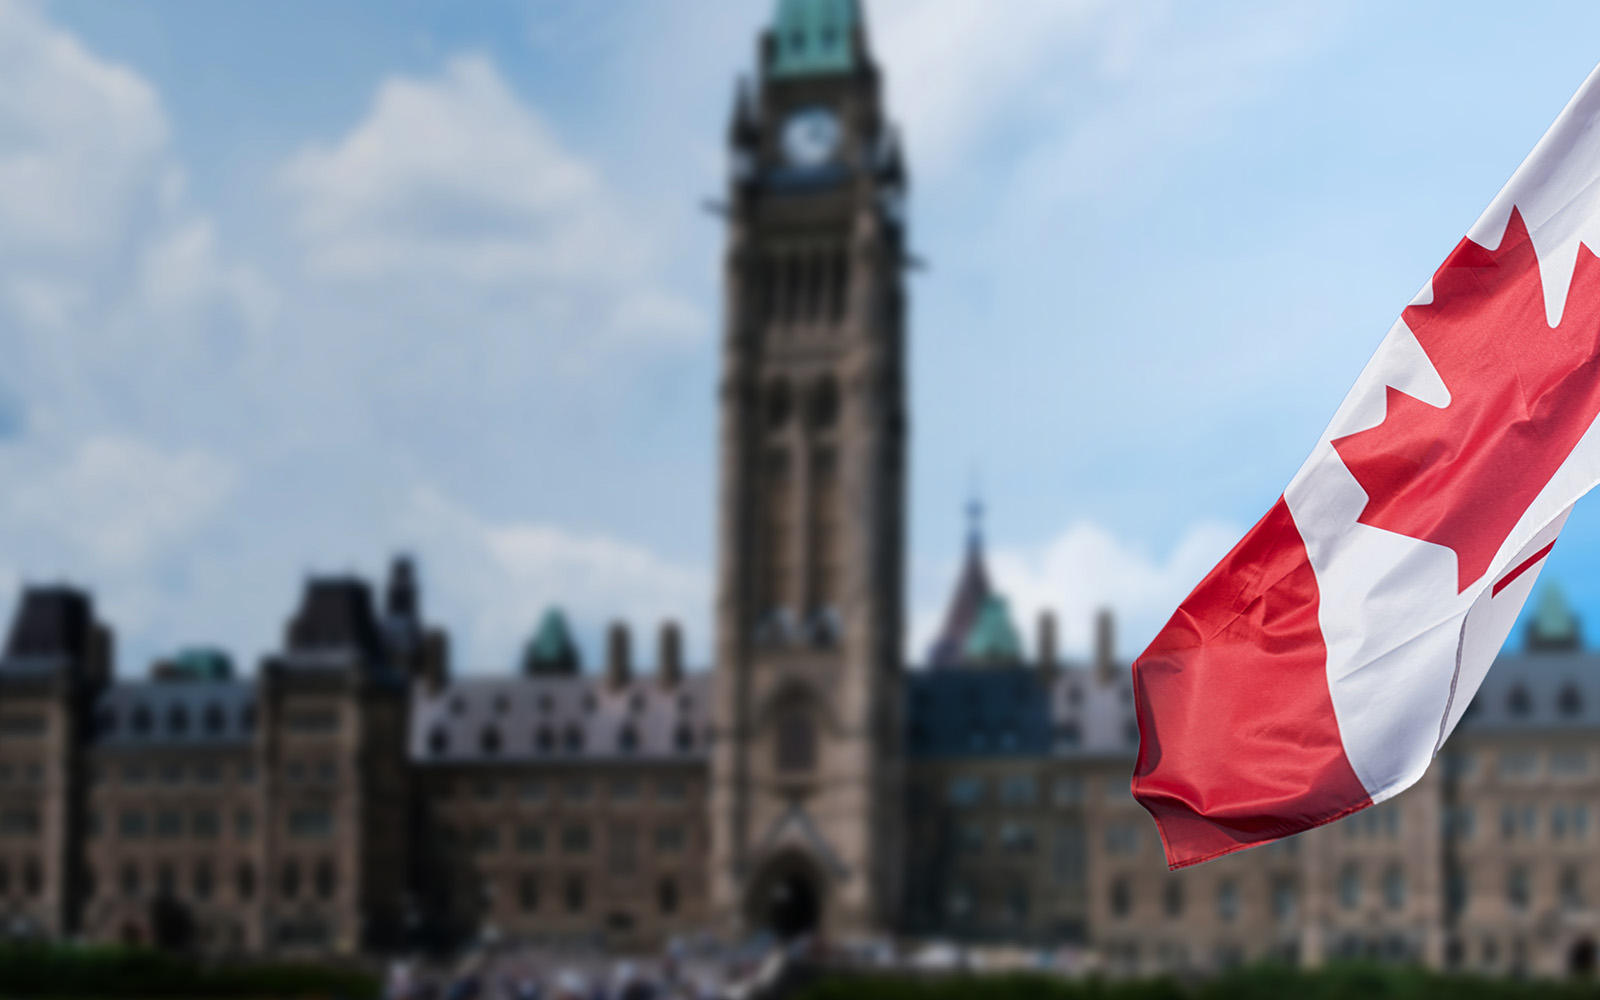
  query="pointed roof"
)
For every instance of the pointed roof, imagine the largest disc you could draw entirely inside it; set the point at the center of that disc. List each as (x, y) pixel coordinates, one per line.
(812, 37)
(972, 591)
(993, 640)
(1554, 624)
(551, 651)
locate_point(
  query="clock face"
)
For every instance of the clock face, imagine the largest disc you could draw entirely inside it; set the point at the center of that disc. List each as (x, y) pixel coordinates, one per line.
(810, 137)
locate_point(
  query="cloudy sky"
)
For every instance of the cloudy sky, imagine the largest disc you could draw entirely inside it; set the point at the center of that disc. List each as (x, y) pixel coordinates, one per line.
(286, 288)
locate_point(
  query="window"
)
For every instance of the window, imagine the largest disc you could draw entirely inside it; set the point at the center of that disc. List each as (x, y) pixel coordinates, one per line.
(1285, 898)
(318, 720)
(1122, 838)
(485, 839)
(530, 840)
(1068, 791)
(1517, 888)
(626, 790)
(672, 790)
(575, 894)
(577, 791)
(438, 741)
(1350, 887)
(528, 893)
(206, 825)
(575, 840)
(207, 773)
(1019, 790)
(667, 896)
(1519, 764)
(965, 791)
(1394, 887)
(327, 879)
(1070, 861)
(1569, 763)
(1121, 898)
(533, 791)
(970, 838)
(130, 880)
(1068, 736)
(130, 825)
(1571, 889)
(215, 721)
(1517, 702)
(178, 720)
(623, 856)
(172, 774)
(1228, 899)
(1570, 701)
(628, 739)
(572, 741)
(545, 740)
(489, 740)
(1172, 899)
(1016, 838)
(244, 824)
(289, 880)
(683, 738)
(670, 839)
(19, 822)
(310, 822)
(796, 745)
(244, 881)
(133, 774)
(141, 720)
(486, 790)
(169, 824)
(202, 881)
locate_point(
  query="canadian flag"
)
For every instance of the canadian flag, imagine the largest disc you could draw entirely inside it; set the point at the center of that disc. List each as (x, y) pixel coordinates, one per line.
(1321, 665)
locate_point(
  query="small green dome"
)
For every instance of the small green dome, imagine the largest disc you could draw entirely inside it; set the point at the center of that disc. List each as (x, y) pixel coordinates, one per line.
(993, 638)
(1554, 624)
(198, 663)
(551, 650)
(811, 37)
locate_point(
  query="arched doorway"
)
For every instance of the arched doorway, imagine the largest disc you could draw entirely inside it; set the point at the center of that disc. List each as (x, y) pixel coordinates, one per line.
(1581, 959)
(787, 898)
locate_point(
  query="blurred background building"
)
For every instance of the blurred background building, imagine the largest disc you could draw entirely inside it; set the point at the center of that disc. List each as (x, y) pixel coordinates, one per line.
(357, 795)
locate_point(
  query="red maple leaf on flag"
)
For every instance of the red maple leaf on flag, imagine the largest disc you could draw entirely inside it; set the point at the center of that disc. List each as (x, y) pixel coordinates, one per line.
(1521, 395)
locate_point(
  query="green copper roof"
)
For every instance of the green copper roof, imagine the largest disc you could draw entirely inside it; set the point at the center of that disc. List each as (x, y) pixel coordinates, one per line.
(1554, 625)
(993, 638)
(202, 664)
(551, 648)
(813, 37)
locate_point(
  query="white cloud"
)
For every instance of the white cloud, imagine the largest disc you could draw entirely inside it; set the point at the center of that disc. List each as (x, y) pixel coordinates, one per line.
(1085, 568)
(112, 504)
(452, 179)
(501, 575)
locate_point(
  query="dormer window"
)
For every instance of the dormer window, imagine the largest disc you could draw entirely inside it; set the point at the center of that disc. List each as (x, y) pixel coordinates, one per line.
(141, 720)
(628, 740)
(573, 739)
(1570, 701)
(1517, 702)
(683, 739)
(438, 741)
(247, 718)
(489, 740)
(178, 720)
(545, 741)
(214, 719)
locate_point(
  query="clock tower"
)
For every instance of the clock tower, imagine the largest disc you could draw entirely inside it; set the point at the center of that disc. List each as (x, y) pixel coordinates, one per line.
(807, 768)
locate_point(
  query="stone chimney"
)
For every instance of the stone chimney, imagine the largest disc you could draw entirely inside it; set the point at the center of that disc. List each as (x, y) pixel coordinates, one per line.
(669, 658)
(619, 663)
(1047, 642)
(435, 666)
(1105, 646)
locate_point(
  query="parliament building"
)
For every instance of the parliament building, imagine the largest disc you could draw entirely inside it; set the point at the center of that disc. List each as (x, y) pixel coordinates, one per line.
(355, 793)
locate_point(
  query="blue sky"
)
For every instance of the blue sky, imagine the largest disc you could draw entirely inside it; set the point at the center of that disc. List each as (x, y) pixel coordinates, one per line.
(285, 288)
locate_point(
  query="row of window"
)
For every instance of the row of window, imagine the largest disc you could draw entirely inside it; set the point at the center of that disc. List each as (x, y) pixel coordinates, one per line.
(178, 720)
(172, 824)
(174, 774)
(1284, 897)
(575, 790)
(574, 894)
(573, 839)
(29, 772)
(1024, 790)
(1562, 821)
(1518, 888)
(501, 703)
(572, 739)
(201, 881)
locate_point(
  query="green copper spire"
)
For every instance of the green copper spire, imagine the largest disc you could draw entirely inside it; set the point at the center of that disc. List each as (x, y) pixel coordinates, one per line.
(811, 37)
(551, 650)
(993, 638)
(1554, 625)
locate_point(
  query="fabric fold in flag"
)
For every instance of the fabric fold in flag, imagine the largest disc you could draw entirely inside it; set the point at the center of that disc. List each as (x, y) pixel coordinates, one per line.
(1321, 665)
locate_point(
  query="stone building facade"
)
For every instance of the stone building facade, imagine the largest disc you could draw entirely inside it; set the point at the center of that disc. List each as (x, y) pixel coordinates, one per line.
(357, 794)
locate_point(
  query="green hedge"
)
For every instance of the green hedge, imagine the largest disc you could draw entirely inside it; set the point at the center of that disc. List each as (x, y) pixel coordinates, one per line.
(1337, 982)
(60, 972)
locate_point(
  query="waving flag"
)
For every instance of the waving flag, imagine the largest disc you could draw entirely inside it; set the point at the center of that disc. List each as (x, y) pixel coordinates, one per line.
(1320, 666)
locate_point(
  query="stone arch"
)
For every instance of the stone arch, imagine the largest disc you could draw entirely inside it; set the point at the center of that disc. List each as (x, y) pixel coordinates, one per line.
(787, 896)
